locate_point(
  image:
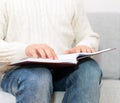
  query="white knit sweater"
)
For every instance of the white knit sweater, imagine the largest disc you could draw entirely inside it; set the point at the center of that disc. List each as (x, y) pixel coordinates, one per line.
(58, 23)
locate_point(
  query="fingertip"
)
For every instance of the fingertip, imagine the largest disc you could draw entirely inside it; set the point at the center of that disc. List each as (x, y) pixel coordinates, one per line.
(93, 50)
(56, 57)
(35, 55)
(67, 52)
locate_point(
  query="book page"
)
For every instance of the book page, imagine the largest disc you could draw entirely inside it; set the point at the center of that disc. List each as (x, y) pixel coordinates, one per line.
(64, 58)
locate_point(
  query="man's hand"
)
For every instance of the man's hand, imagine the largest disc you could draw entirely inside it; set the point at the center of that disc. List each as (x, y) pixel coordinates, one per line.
(78, 49)
(40, 51)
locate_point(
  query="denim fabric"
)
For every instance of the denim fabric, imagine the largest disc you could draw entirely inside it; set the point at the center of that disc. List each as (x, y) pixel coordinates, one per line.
(35, 84)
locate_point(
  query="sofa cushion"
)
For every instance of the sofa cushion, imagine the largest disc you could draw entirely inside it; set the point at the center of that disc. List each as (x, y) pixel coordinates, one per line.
(110, 91)
(6, 98)
(108, 26)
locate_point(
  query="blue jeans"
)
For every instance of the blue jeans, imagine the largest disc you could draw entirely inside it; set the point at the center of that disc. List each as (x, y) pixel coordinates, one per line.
(36, 84)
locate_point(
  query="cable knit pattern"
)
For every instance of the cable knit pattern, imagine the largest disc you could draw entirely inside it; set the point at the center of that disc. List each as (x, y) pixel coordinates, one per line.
(57, 23)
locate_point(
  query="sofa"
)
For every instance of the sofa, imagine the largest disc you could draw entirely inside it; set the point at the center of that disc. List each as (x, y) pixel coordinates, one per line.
(108, 26)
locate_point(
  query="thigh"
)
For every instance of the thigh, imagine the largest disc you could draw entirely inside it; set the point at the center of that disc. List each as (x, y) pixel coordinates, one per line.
(12, 78)
(85, 80)
(88, 65)
(85, 68)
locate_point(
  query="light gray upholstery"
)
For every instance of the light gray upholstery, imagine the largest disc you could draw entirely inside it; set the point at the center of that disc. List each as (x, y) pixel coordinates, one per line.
(108, 26)
(110, 91)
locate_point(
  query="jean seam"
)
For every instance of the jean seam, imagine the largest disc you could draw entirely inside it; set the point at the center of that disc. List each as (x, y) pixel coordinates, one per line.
(71, 89)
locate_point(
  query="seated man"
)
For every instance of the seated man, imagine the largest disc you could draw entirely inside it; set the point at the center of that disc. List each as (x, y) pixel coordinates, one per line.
(44, 29)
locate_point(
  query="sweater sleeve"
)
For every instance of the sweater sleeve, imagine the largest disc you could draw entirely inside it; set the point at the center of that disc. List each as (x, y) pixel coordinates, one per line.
(84, 35)
(9, 51)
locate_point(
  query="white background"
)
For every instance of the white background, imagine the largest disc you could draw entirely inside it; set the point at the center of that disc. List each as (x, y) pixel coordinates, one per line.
(102, 5)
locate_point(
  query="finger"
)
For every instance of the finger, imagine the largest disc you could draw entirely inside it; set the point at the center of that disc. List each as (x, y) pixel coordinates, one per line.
(49, 53)
(83, 50)
(54, 54)
(67, 52)
(41, 53)
(33, 53)
(92, 50)
(77, 50)
(89, 50)
(73, 50)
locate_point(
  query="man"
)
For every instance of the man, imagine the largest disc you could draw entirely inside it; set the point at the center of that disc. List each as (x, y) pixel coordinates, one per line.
(44, 29)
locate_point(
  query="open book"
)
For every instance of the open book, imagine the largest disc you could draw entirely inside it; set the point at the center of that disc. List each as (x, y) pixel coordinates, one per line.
(65, 60)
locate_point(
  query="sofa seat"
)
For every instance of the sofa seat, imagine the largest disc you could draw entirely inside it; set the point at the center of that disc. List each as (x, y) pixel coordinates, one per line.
(110, 93)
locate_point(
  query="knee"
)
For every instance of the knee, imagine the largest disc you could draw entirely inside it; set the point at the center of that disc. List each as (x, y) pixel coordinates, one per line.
(23, 79)
(39, 76)
(33, 76)
(39, 80)
(89, 70)
(90, 66)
